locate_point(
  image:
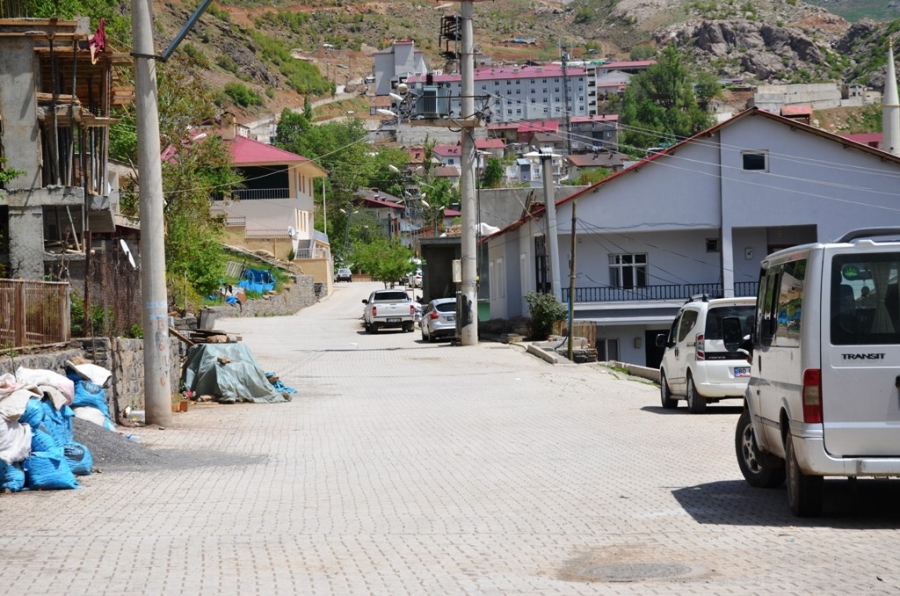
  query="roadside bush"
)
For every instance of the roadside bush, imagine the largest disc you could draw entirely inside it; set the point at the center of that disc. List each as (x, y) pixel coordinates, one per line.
(242, 95)
(545, 311)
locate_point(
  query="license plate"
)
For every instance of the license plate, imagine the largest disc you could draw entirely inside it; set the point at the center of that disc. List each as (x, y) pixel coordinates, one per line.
(451, 319)
(393, 320)
(742, 371)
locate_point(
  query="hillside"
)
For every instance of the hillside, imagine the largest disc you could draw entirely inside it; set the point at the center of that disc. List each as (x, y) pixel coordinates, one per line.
(284, 50)
(857, 10)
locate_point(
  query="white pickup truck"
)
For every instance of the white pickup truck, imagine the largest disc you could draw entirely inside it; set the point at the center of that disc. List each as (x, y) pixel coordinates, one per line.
(389, 309)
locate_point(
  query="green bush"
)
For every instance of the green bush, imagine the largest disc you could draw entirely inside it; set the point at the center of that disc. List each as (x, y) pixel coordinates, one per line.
(545, 311)
(227, 62)
(242, 95)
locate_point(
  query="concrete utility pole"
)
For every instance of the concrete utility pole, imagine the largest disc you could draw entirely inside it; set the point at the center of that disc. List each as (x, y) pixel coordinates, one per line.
(550, 206)
(571, 350)
(469, 120)
(155, 316)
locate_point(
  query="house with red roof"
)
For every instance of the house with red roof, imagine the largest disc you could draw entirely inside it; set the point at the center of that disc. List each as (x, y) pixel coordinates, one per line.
(449, 155)
(696, 218)
(275, 205)
(596, 132)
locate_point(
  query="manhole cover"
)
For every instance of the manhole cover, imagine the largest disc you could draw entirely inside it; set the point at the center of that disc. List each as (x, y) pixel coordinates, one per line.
(633, 572)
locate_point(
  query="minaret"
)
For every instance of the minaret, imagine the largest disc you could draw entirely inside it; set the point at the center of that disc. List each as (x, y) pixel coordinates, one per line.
(890, 119)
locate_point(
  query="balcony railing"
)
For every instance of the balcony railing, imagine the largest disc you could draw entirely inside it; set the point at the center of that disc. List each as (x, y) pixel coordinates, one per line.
(255, 194)
(668, 292)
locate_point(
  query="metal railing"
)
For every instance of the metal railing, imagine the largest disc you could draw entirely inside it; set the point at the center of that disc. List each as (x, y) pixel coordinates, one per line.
(33, 313)
(254, 194)
(266, 233)
(667, 292)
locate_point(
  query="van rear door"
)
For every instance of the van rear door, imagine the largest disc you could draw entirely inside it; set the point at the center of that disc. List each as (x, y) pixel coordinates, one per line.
(861, 353)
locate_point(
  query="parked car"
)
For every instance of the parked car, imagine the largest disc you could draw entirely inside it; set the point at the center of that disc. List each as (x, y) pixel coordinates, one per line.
(343, 274)
(389, 309)
(825, 351)
(414, 279)
(702, 363)
(439, 319)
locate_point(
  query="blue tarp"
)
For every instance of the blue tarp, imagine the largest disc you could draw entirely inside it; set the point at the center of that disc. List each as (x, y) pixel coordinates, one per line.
(257, 281)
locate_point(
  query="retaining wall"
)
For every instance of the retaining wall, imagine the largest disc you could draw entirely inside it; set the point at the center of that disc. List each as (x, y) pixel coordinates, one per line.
(292, 298)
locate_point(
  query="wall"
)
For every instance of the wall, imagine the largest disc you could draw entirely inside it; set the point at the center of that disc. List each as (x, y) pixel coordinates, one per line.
(291, 299)
(234, 236)
(321, 270)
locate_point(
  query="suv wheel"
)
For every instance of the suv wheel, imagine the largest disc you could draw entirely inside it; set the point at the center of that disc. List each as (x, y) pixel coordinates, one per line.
(804, 492)
(696, 403)
(759, 469)
(665, 396)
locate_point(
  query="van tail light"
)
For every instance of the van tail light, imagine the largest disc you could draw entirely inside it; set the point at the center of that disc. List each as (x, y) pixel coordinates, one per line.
(374, 311)
(434, 315)
(812, 395)
(701, 349)
(412, 309)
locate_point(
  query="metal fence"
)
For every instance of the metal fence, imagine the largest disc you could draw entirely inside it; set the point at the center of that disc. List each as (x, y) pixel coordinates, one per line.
(114, 295)
(33, 313)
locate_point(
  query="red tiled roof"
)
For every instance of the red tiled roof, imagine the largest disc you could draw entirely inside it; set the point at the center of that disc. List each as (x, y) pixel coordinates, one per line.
(446, 172)
(452, 213)
(503, 125)
(246, 151)
(447, 150)
(539, 126)
(866, 138)
(509, 72)
(627, 64)
(594, 118)
(489, 144)
(804, 110)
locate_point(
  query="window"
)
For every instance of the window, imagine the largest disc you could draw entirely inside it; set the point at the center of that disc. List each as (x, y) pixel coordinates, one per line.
(541, 270)
(790, 298)
(608, 350)
(755, 161)
(765, 308)
(628, 271)
(712, 245)
(688, 320)
(865, 302)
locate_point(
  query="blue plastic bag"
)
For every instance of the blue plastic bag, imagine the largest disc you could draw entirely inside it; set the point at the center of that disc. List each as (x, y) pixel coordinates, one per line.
(12, 477)
(41, 440)
(34, 413)
(57, 422)
(48, 470)
(79, 458)
(89, 394)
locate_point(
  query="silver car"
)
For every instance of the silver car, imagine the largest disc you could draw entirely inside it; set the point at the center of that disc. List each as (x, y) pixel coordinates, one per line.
(439, 319)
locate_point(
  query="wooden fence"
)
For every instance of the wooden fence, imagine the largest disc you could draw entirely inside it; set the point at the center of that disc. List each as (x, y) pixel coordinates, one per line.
(33, 313)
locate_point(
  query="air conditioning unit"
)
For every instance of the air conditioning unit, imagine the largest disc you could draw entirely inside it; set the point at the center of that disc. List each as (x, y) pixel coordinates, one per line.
(433, 102)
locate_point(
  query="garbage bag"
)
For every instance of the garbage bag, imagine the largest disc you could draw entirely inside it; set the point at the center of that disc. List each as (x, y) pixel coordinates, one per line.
(94, 415)
(12, 477)
(48, 470)
(57, 422)
(89, 394)
(34, 414)
(79, 458)
(41, 440)
(46, 377)
(15, 441)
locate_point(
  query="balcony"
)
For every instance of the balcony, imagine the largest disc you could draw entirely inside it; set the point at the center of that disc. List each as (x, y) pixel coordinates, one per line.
(648, 293)
(256, 194)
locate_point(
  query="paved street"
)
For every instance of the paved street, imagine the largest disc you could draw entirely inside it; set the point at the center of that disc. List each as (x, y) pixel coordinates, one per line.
(409, 468)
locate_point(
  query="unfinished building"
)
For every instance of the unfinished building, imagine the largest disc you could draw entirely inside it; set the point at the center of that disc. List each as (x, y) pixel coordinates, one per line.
(58, 85)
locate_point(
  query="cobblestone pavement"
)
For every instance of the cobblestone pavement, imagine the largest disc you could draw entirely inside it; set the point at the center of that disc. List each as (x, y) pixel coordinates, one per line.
(409, 468)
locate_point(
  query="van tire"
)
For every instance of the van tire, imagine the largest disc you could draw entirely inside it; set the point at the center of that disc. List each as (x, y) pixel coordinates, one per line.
(696, 402)
(665, 396)
(804, 492)
(760, 470)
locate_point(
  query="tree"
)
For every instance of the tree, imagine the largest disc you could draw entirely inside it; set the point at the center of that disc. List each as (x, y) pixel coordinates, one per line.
(385, 260)
(660, 105)
(493, 173)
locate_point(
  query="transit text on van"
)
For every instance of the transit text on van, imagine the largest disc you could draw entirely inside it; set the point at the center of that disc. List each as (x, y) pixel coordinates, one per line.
(863, 356)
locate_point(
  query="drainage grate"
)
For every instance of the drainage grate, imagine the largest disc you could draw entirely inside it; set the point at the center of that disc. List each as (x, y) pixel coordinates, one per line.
(634, 572)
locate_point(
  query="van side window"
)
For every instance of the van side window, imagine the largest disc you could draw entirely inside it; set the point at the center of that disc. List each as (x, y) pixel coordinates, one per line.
(673, 332)
(767, 317)
(688, 320)
(790, 299)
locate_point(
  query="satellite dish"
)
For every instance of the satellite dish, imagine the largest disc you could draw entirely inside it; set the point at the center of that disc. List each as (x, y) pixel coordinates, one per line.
(127, 252)
(291, 232)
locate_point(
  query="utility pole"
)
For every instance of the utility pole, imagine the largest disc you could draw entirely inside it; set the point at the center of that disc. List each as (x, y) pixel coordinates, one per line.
(155, 315)
(572, 283)
(468, 121)
(550, 206)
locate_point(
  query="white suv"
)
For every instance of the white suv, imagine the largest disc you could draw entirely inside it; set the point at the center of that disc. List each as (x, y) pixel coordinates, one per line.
(823, 393)
(702, 363)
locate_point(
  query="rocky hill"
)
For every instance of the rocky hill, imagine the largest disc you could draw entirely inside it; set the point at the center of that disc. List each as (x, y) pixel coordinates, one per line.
(856, 10)
(263, 44)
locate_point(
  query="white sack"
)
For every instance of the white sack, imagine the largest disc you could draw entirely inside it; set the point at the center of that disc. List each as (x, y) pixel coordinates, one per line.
(47, 377)
(15, 442)
(91, 415)
(12, 405)
(93, 373)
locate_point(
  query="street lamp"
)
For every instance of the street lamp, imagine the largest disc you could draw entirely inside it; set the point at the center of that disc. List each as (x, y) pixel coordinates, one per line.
(346, 233)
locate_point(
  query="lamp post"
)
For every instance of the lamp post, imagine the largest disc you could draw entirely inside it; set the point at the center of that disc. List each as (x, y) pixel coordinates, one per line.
(346, 233)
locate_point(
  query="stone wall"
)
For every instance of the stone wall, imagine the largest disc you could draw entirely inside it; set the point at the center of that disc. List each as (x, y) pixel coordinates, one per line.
(121, 356)
(292, 298)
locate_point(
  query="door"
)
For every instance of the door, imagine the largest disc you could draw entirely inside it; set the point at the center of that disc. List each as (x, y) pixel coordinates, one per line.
(861, 355)
(653, 354)
(683, 350)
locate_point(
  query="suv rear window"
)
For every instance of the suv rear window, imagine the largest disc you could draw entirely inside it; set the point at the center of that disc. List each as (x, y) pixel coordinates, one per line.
(445, 306)
(715, 315)
(865, 307)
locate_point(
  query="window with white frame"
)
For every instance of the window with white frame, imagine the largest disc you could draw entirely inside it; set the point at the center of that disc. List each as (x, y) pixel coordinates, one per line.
(628, 271)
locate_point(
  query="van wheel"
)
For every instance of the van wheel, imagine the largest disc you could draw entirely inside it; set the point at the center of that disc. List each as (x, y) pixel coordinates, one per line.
(696, 403)
(804, 491)
(760, 470)
(368, 328)
(665, 396)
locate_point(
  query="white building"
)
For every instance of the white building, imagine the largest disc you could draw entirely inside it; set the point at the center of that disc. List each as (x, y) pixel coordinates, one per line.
(395, 64)
(698, 218)
(513, 94)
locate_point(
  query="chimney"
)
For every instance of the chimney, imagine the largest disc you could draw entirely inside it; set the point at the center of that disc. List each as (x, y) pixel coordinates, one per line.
(229, 127)
(890, 120)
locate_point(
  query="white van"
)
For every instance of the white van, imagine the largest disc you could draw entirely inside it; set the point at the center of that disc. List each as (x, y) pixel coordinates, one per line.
(823, 396)
(701, 363)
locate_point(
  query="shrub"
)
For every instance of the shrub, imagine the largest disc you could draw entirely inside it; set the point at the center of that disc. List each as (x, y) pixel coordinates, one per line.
(545, 311)
(242, 95)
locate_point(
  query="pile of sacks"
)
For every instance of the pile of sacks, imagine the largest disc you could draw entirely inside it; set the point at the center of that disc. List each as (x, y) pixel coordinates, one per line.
(37, 447)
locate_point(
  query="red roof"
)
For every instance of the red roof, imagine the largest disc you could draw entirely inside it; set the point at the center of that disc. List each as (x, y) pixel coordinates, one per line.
(539, 126)
(246, 151)
(489, 144)
(446, 172)
(866, 138)
(594, 118)
(503, 125)
(804, 110)
(447, 150)
(628, 64)
(452, 213)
